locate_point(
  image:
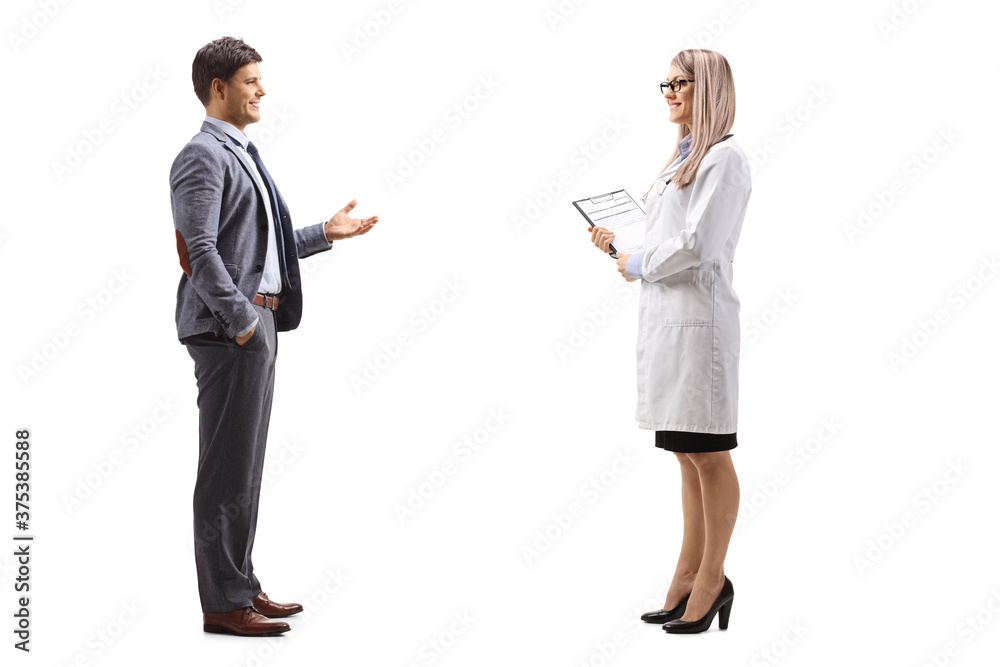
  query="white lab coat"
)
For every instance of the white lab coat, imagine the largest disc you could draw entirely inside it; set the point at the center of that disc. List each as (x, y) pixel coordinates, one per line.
(689, 325)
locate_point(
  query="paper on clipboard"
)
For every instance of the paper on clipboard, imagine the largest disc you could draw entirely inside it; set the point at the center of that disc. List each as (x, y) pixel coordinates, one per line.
(617, 212)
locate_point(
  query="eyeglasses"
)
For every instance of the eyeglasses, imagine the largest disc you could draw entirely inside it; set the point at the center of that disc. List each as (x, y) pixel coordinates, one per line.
(674, 85)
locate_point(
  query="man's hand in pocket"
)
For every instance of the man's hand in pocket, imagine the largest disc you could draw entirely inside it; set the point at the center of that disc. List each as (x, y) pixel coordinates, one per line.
(240, 340)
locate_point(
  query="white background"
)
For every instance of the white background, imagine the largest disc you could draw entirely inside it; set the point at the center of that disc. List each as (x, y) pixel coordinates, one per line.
(836, 103)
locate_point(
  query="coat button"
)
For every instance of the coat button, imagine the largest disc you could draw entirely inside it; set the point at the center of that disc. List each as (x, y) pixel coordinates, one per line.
(258, 268)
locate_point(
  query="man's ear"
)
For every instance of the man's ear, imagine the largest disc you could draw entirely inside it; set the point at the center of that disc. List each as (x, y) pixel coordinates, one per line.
(218, 86)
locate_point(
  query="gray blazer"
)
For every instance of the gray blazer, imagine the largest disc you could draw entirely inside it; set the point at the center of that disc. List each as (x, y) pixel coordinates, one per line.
(221, 229)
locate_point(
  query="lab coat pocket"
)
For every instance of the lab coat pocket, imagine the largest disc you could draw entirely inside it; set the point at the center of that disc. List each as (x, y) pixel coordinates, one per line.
(687, 299)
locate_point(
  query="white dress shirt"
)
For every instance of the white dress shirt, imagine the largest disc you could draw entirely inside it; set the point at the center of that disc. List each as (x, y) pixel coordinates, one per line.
(270, 282)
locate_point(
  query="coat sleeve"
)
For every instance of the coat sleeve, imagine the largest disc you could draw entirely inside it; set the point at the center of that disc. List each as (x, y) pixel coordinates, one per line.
(311, 240)
(196, 187)
(719, 192)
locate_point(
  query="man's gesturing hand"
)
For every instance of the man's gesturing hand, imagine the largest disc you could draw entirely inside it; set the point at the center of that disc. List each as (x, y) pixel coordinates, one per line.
(341, 226)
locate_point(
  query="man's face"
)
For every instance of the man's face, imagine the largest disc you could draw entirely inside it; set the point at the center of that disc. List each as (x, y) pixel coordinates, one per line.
(241, 98)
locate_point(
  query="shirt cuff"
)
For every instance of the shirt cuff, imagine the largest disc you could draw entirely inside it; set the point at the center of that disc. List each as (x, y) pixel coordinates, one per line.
(633, 267)
(249, 328)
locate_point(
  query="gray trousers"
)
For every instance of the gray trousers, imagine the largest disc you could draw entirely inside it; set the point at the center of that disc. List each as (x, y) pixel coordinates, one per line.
(235, 386)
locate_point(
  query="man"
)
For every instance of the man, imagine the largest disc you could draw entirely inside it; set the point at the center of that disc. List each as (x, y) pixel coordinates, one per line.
(241, 286)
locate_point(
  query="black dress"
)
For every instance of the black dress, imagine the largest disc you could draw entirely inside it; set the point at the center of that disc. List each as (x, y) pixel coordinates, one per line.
(689, 442)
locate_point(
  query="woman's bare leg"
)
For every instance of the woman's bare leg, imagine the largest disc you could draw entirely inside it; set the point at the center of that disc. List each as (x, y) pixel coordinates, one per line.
(720, 500)
(693, 543)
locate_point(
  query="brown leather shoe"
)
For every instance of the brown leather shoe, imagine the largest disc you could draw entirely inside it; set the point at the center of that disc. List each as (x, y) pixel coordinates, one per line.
(245, 622)
(274, 609)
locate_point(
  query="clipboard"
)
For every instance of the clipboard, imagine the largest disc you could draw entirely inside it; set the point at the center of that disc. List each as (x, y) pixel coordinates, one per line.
(618, 212)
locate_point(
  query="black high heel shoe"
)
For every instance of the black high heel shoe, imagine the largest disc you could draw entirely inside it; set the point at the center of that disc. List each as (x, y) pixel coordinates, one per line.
(664, 615)
(722, 605)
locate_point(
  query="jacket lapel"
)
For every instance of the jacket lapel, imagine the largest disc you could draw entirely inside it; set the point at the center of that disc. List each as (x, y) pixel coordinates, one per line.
(244, 159)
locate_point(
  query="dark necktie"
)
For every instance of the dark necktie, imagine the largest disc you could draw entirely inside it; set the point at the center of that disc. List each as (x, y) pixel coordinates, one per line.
(273, 193)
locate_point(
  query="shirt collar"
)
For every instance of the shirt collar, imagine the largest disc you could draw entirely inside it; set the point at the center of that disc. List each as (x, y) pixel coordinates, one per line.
(685, 146)
(231, 130)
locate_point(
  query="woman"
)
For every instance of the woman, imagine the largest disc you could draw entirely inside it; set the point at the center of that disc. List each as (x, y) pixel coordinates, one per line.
(689, 329)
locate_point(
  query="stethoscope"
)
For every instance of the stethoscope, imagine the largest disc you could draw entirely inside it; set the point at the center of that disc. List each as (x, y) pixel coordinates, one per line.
(661, 184)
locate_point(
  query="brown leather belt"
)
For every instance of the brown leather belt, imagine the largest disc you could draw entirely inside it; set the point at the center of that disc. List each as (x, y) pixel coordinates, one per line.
(266, 301)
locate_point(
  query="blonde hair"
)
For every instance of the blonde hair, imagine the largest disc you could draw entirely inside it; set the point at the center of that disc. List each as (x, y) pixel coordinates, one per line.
(713, 108)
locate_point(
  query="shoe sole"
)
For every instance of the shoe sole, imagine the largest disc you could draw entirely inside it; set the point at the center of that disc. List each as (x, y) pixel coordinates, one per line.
(218, 629)
(657, 621)
(282, 615)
